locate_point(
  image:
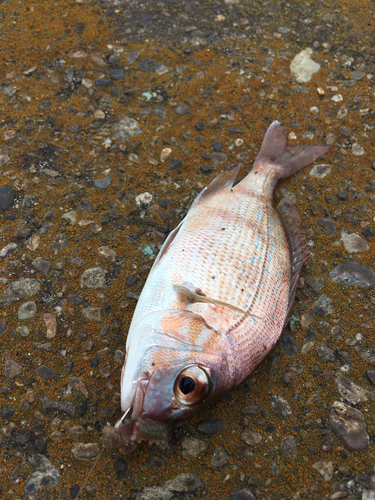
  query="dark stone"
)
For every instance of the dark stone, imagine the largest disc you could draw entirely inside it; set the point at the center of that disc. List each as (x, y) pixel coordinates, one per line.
(115, 91)
(254, 481)
(3, 327)
(280, 406)
(349, 426)
(217, 146)
(206, 156)
(270, 428)
(175, 165)
(120, 467)
(366, 481)
(45, 372)
(160, 112)
(342, 196)
(131, 280)
(60, 242)
(117, 74)
(205, 169)
(63, 406)
(351, 218)
(7, 412)
(74, 491)
(315, 283)
(311, 334)
(182, 110)
(199, 126)
(154, 462)
(368, 232)
(294, 124)
(86, 206)
(6, 197)
(243, 494)
(103, 82)
(325, 353)
(163, 203)
(234, 130)
(41, 265)
(328, 225)
(371, 376)
(288, 344)
(94, 363)
(210, 427)
(352, 273)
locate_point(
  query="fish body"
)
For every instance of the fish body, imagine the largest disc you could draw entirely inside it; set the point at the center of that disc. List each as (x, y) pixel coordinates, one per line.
(217, 298)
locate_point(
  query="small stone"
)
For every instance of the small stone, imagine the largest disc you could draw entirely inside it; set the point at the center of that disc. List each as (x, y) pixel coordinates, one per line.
(33, 242)
(11, 367)
(27, 310)
(342, 112)
(217, 146)
(23, 331)
(243, 493)
(288, 448)
(371, 376)
(45, 372)
(322, 306)
(303, 67)
(143, 199)
(315, 283)
(199, 126)
(63, 406)
(76, 431)
(126, 128)
(175, 165)
(85, 451)
(86, 206)
(7, 412)
(275, 469)
(192, 447)
(182, 110)
(342, 196)
(352, 273)
(307, 347)
(6, 197)
(251, 438)
(60, 242)
(357, 150)
(8, 250)
(219, 457)
(160, 112)
(210, 427)
(132, 57)
(219, 158)
(45, 475)
(103, 183)
(41, 265)
(328, 225)
(325, 469)
(117, 74)
(352, 392)
(95, 277)
(51, 325)
(254, 481)
(306, 320)
(288, 344)
(325, 353)
(349, 426)
(107, 253)
(81, 386)
(92, 313)
(24, 287)
(280, 406)
(320, 171)
(165, 154)
(353, 243)
(70, 216)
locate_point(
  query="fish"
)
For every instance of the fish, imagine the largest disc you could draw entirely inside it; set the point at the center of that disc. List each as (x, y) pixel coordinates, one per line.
(217, 298)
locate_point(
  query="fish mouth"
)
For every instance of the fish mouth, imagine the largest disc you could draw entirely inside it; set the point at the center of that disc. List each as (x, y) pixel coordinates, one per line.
(129, 431)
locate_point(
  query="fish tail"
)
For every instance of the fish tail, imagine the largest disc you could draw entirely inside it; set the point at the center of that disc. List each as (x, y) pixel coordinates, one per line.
(286, 160)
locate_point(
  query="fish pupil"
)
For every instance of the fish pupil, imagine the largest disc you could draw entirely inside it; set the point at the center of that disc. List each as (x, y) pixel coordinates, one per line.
(186, 385)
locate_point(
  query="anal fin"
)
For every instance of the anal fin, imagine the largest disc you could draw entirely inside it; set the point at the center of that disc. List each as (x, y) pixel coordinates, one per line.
(299, 251)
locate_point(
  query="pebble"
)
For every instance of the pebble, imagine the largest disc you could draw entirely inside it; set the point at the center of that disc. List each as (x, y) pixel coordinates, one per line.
(303, 67)
(92, 313)
(352, 392)
(70, 216)
(288, 344)
(251, 438)
(11, 367)
(86, 206)
(371, 376)
(349, 426)
(8, 250)
(353, 243)
(103, 183)
(320, 171)
(45, 475)
(209, 427)
(353, 273)
(23, 331)
(27, 310)
(280, 406)
(325, 469)
(94, 277)
(357, 150)
(160, 112)
(219, 158)
(306, 320)
(51, 325)
(192, 447)
(107, 253)
(7, 196)
(322, 306)
(217, 146)
(7, 412)
(60, 242)
(243, 494)
(288, 448)
(45, 372)
(328, 225)
(20, 289)
(307, 347)
(132, 57)
(63, 406)
(127, 127)
(175, 165)
(85, 451)
(325, 353)
(143, 199)
(315, 283)
(182, 110)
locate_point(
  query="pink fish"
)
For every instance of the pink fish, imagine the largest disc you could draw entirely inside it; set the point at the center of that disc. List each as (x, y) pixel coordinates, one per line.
(217, 298)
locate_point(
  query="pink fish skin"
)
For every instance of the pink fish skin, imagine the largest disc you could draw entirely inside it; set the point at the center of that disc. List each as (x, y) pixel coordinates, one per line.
(217, 298)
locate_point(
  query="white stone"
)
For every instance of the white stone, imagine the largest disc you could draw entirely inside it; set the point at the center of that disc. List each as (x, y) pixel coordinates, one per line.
(320, 171)
(337, 98)
(357, 150)
(143, 199)
(354, 243)
(303, 67)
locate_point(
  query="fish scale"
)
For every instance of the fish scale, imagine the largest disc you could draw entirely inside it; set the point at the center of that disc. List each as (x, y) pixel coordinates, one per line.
(218, 296)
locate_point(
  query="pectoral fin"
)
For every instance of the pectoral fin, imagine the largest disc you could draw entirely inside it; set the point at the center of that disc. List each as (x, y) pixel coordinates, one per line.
(195, 297)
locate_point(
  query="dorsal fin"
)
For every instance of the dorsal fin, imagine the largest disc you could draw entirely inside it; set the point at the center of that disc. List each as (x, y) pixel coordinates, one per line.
(167, 243)
(222, 181)
(299, 251)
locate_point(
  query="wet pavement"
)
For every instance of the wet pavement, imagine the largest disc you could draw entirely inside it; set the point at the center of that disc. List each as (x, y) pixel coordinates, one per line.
(114, 115)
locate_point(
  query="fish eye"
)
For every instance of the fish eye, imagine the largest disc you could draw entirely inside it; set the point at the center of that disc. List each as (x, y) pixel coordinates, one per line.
(192, 385)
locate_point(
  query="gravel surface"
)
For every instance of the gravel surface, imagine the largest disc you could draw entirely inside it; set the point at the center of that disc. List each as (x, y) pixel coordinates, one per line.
(114, 115)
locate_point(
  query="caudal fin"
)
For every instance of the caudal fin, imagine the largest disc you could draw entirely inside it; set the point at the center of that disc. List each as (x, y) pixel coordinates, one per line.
(286, 159)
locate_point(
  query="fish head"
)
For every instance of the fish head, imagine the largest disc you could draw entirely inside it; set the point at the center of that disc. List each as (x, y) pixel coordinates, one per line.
(179, 369)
